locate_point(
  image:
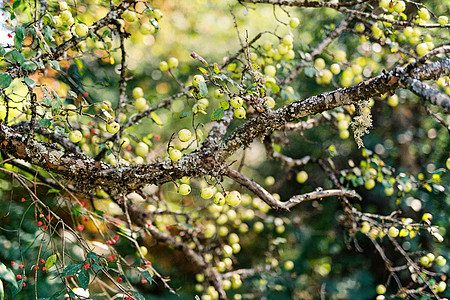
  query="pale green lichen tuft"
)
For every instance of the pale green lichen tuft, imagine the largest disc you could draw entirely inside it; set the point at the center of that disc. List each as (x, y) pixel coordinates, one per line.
(361, 124)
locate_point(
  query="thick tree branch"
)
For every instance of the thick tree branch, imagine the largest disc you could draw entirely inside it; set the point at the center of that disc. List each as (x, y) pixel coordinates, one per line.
(427, 92)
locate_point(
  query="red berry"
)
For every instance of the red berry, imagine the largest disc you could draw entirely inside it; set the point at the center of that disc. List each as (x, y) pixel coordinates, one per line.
(148, 263)
(157, 137)
(167, 227)
(128, 147)
(66, 67)
(47, 217)
(22, 200)
(24, 284)
(44, 227)
(80, 227)
(39, 223)
(13, 263)
(18, 276)
(36, 268)
(9, 35)
(119, 279)
(108, 242)
(116, 237)
(86, 266)
(111, 257)
(44, 269)
(20, 266)
(85, 94)
(42, 261)
(144, 281)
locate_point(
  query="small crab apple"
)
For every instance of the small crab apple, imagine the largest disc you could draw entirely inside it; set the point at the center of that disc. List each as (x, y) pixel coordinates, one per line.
(113, 127)
(233, 198)
(302, 176)
(184, 135)
(208, 192)
(163, 66)
(219, 199)
(294, 22)
(75, 136)
(288, 265)
(138, 92)
(270, 70)
(140, 103)
(157, 14)
(173, 62)
(141, 149)
(443, 20)
(400, 6)
(196, 79)
(270, 102)
(236, 102)
(81, 30)
(239, 112)
(184, 189)
(175, 154)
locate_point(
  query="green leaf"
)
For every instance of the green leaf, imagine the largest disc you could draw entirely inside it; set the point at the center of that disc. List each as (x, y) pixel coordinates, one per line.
(2, 51)
(29, 65)
(72, 94)
(184, 115)
(7, 275)
(17, 56)
(16, 4)
(273, 86)
(204, 71)
(202, 89)
(92, 255)
(137, 295)
(277, 147)
(310, 72)
(16, 289)
(54, 64)
(30, 82)
(47, 32)
(146, 274)
(96, 268)
(5, 80)
(45, 123)
(71, 270)
(217, 114)
(216, 68)
(78, 62)
(52, 258)
(83, 278)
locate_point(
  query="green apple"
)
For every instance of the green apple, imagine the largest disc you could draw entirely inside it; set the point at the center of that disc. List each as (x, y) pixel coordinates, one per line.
(294, 22)
(236, 102)
(75, 136)
(400, 6)
(173, 62)
(393, 231)
(422, 49)
(288, 265)
(138, 92)
(233, 198)
(219, 199)
(175, 154)
(369, 184)
(288, 39)
(184, 135)
(270, 102)
(443, 20)
(270, 70)
(65, 16)
(81, 30)
(365, 227)
(239, 112)
(196, 79)
(302, 176)
(113, 127)
(140, 104)
(381, 289)
(141, 149)
(319, 63)
(210, 230)
(163, 66)
(208, 192)
(335, 68)
(441, 261)
(184, 189)
(233, 238)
